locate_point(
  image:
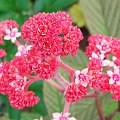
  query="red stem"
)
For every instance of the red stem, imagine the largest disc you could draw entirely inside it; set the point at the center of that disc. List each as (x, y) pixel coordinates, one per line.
(99, 108)
(66, 107)
(17, 43)
(61, 80)
(55, 85)
(68, 68)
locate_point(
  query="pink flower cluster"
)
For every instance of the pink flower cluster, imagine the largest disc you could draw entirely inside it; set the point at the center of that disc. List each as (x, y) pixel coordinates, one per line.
(103, 72)
(104, 67)
(48, 36)
(54, 31)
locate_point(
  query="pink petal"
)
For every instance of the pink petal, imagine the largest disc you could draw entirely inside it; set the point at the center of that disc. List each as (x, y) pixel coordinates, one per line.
(118, 82)
(66, 114)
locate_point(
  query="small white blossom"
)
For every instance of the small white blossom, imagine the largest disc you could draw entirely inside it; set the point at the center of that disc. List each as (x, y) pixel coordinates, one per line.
(12, 34)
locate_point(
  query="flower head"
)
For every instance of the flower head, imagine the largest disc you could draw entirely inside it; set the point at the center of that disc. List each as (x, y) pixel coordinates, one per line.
(52, 34)
(12, 34)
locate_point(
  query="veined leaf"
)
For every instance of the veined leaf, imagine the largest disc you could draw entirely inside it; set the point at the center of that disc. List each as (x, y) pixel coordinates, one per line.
(102, 16)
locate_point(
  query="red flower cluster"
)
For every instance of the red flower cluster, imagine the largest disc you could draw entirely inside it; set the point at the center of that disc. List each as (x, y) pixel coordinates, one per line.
(74, 92)
(52, 34)
(12, 84)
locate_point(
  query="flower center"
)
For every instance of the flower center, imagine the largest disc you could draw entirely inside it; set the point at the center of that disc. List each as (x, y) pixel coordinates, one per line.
(12, 34)
(82, 77)
(63, 118)
(116, 77)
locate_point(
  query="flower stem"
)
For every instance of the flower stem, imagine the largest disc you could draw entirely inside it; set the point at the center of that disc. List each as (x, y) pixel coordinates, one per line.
(66, 67)
(92, 95)
(55, 85)
(99, 108)
(61, 80)
(66, 107)
(17, 43)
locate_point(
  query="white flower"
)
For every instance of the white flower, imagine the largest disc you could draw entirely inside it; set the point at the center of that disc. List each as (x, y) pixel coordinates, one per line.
(81, 77)
(114, 76)
(104, 46)
(62, 116)
(101, 56)
(12, 34)
(22, 50)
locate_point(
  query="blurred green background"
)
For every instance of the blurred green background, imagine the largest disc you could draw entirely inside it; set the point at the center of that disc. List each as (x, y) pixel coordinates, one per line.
(93, 17)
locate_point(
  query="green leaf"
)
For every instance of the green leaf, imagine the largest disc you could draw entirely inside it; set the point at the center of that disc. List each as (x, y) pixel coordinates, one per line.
(61, 5)
(84, 110)
(4, 6)
(102, 16)
(77, 15)
(23, 5)
(37, 87)
(54, 100)
(38, 6)
(13, 113)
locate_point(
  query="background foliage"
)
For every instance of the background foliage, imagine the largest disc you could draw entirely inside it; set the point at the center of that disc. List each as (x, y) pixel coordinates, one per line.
(92, 16)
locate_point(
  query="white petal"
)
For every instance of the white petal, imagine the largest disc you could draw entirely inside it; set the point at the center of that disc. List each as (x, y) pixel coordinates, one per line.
(111, 81)
(77, 81)
(18, 34)
(102, 56)
(72, 118)
(28, 47)
(15, 29)
(7, 37)
(18, 54)
(84, 71)
(20, 47)
(84, 84)
(110, 73)
(56, 115)
(114, 58)
(7, 31)
(118, 82)
(94, 55)
(77, 72)
(99, 47)
(106, 63)
(13, 39)
(116, 70)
